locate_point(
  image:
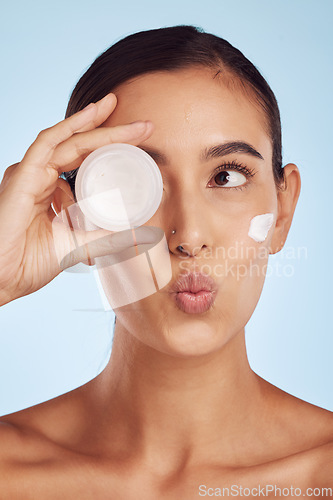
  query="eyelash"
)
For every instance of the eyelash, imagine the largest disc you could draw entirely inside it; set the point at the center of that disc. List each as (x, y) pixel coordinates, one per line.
(235, 166)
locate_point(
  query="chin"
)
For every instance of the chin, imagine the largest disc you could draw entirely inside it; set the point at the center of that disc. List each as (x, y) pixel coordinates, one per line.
(185, 335)
(165, 328)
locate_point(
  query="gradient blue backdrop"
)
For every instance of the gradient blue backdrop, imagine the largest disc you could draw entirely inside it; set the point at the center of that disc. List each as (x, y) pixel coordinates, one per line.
(59, 337)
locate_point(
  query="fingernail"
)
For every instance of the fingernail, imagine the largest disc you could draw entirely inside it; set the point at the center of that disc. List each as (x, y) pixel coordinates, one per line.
(107, 97)
(139, 126)
(91, 105)
(138, 122)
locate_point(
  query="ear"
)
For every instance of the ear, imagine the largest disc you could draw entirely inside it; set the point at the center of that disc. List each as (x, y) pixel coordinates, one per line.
(62, 197)
(287, 200)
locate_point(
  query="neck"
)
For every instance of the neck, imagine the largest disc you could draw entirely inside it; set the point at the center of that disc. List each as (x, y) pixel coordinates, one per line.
(186, 407)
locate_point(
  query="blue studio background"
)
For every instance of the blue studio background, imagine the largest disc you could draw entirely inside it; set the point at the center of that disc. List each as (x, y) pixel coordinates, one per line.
(60, 337)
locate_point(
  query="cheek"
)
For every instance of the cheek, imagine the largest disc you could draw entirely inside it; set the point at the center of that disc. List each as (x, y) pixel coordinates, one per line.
(260, 226)
(241, 227)
(125, 282)
(135, 273)
(239, 263)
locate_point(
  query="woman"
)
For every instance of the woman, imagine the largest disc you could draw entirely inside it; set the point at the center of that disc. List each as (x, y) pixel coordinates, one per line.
(177, 412)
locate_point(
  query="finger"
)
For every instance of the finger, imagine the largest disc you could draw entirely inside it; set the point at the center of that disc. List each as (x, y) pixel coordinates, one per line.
(103, 112)
(71, 153)
(40, 152)
(99, 243)
(7, 176)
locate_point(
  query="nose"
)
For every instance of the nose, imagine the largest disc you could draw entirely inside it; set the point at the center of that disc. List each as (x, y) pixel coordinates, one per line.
(189, 219)
(188, 249)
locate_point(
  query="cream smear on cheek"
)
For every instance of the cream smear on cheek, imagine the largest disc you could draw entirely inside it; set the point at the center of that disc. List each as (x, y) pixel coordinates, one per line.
(259, 227)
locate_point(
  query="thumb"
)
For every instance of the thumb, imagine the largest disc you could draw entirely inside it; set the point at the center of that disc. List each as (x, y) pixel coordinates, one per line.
(74, 246)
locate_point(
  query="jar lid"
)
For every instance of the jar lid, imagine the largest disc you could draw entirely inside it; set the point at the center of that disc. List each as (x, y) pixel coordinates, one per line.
(118, 186)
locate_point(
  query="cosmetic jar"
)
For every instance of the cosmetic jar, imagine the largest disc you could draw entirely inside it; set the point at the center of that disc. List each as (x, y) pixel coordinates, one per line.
(118, 187)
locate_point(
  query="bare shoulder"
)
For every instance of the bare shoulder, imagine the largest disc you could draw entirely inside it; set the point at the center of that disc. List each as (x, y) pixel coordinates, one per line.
(11, 439)
(40, 428)
(21, 450)
(34, 442)
(22, 439)
(322, 458)
(303, 422)
(315, 467)
(303, 435)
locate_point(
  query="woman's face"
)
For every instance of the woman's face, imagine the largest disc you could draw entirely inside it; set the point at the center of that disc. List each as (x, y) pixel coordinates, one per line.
(191, 112)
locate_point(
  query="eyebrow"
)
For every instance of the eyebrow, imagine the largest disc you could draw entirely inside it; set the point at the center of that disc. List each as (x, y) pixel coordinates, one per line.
(216, 151)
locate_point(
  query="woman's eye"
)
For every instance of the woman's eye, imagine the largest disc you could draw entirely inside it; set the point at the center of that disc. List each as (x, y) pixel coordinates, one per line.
(229, 178)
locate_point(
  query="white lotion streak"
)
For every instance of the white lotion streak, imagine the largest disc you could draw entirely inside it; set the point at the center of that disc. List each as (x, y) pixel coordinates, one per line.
(259, 227)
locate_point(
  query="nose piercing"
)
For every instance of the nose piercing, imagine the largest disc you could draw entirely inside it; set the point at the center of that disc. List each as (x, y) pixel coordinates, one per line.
(173, 231)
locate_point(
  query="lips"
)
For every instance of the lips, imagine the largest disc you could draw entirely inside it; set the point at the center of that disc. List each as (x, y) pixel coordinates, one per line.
(194, 293)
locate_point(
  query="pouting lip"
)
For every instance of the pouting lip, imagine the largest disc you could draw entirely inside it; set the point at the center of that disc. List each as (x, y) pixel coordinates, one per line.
(193, 282)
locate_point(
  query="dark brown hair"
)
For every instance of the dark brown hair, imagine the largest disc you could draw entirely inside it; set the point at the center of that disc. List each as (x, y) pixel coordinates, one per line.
(174, 48)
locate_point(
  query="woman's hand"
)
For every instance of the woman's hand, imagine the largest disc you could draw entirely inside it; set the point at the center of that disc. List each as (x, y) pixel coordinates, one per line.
(29, 252)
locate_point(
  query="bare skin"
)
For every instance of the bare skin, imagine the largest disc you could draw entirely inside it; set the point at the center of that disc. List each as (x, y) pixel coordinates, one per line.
(178, 405)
